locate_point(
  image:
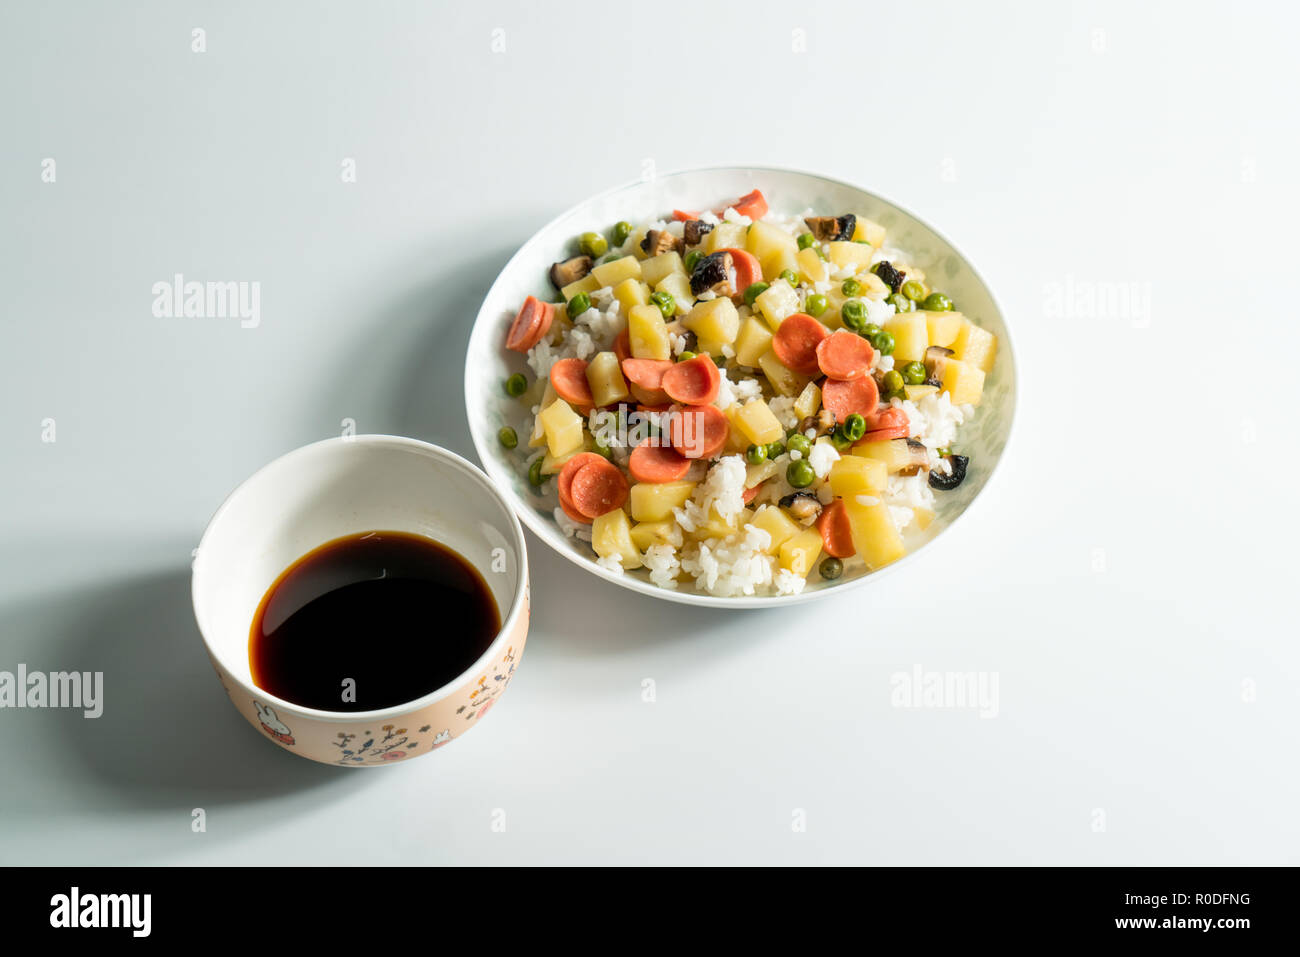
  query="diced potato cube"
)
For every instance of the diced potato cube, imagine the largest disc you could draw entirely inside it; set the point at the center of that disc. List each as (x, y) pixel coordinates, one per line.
(645, 534)
(587, 284)
(976, 346)
(654, 269)
(874, 536)
(778, 262)
(647, 333)
(809, 401)
(606, 379)
(737, 441)
(724, 236)
(538, 438)
(655, 501)
(764, 239)
(916, 392)
(563, 428)
(924, 516)
(811, 266)
(715, 526)
(759, 423)
(553, 463)
(752, 341)
(894, 453)
(709, 347)
(963, 382)
(911, 336)
(714, 319)
(611, 537)
(873, 287)
(755, 474)
(677, 285)
(613, 273)
(634, 241)
(855, 475)
(784, 379)
(870, 232)
(846, 253)
(632, 292)
(776, 523)
(776, 302)
(943, 327)
(799, 553)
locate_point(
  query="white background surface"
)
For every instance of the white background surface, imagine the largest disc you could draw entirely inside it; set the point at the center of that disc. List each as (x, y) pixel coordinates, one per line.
(1128, 575)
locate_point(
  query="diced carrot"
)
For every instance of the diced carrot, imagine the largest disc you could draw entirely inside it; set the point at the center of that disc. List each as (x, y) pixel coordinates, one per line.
(748, 271)
(751, 493)
(532, 322)
(699, 431)
(843, 355)
(569, 379)
(647, 373)
(623, 346)
(796, 341)
(657, 463)
(681, 216)
(693, 382)
(597, 488)
(837, 533)
(844, 397)
(752, 204)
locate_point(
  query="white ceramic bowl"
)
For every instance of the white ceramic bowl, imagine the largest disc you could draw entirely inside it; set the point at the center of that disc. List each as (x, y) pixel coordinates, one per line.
(489, 363)
(344, 486)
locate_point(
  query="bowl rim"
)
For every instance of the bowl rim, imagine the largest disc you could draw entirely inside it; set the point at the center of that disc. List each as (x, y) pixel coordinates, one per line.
(544, 527)
(445, 457)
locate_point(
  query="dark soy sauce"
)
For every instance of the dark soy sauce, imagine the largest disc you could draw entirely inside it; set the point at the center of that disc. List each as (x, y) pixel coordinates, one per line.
(398, 614)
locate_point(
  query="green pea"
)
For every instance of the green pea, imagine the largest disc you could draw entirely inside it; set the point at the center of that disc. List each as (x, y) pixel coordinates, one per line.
(893, 382)
(620, 232)
(601, 449)
(535, 476)
(883, 343)
(851, 287)
(790, 276)
(840, 440)
(855, 427)
(806, 240)
(798, 443)
(914, 290)
(830, 569)
(686, 354)
(870, 331)
(914, 373)
(592, 244)
(611, 257)
(816, 304)
(665, 302)
(756, 454)
(854, 315)
(516, 385)
(508, 437)
(937, 302)
(902, 303)
(943, 452)
(861, 242)
(754, 291)
(800, 474)
(692, 259)
(775, 449)
(579, 304)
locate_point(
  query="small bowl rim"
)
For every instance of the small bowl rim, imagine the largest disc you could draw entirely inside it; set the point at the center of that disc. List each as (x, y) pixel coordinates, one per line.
(408, 444)
(544, 528)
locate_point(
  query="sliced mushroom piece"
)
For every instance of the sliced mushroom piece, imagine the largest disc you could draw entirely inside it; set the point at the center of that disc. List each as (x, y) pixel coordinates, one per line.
(804, 507)
(918, 458)
(660, 241)
(934, 359)
(829, 229)
(695, 230)
(946, 482)
(823, 422)
(714, 273)
(570, 270)
(890, 276)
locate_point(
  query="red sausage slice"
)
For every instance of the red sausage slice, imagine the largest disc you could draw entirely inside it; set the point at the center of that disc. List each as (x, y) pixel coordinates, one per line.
(753, 204)
(567, 505)
(597, 488)
(837, 535)
(570, 468)
(748, 271)
(656, 399)
(751, 493)
(693, 382)
(532, 322)
(699, 431)
(796, 342)
(844, 397)
(569, 379)
(682, 216)
(891, 423)
(843, 355)
(879, 435)
(623, 346)
(647, 373)
(657, 464)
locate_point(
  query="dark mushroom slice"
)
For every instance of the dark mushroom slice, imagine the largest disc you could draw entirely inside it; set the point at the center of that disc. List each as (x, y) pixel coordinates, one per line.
(714, 273)
(829, 229)
(804, 507)
(918, 458)
(695, 230)
(934, 357)
(890, 276)
(823, 422)
(570, 270)
(956, 475)
(660, 241)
